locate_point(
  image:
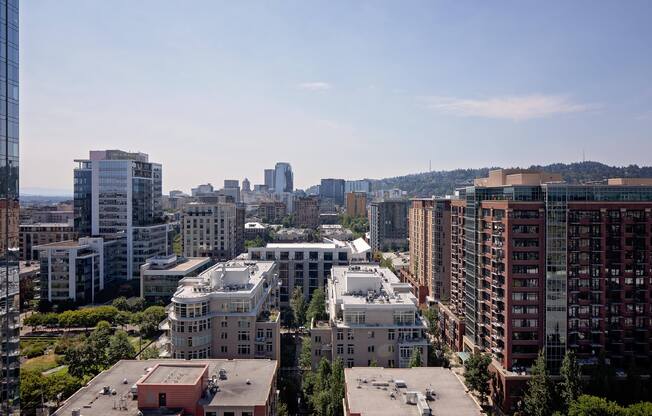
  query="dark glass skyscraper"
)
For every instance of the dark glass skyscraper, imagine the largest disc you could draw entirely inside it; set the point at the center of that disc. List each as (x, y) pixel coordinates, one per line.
(9, 223)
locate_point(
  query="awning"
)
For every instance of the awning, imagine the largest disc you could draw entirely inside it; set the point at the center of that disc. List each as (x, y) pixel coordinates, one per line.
(463, 356)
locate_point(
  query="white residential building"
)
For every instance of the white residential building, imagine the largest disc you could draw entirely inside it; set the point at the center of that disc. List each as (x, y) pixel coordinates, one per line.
(374, 318)
(228, 311)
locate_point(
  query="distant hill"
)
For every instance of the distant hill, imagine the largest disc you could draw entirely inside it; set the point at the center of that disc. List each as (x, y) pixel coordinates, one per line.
(445, 182)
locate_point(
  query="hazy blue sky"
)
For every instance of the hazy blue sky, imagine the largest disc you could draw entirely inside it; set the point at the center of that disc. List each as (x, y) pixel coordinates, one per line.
(354, 89)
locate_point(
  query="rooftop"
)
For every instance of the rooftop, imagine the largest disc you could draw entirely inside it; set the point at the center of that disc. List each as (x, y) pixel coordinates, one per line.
(174, 265)
(232, 277)
(164, 373)
(233, 389)
(370, 284)
(47, 224)
(378, 391)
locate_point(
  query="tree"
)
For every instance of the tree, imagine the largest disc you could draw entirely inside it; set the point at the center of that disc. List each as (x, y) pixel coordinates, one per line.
(60, 386)
(477, 375)
(415, 359)
(317, 307)
(298, 306)
(282, 409)
(33, 391)
(603, 378)
(336, 388)
(320, 398)
(149, 353)
(151, 318)
(120, 303)
(538, 397)
(305, 359)
(85, 357)
(432, 316)
(570, 386)
(256, 242)
(594, 406)
(120, 348)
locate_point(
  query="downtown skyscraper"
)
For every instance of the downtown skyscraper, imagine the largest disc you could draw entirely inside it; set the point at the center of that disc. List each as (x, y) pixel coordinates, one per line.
(9, 207)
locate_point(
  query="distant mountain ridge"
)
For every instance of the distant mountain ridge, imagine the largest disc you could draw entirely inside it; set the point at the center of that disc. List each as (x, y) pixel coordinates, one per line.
(446, 181)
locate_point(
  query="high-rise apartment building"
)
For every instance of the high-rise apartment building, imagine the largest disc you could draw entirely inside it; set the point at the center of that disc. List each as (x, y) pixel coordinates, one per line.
(373, 319)
(388, 225)
(283, 178)
(121, 192)
(332, 190)
(9, 207)
(209, 230)
(553, 266)
(356, 204)
(228, 311)
(306, 212)
(232, 189)
(429, 273)
(308, 265)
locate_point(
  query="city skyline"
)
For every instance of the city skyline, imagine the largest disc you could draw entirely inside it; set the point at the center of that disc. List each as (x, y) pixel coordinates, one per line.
(404, 86)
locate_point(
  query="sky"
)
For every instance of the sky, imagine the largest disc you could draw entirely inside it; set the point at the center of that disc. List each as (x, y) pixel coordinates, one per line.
(216, 90)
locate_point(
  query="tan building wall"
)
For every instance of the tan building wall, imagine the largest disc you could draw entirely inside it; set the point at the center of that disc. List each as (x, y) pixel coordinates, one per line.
(33, 235)
(356, 204)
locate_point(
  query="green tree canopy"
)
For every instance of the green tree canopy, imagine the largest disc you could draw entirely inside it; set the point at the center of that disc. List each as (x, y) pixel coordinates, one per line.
(570, 386)
(415, 359)
(317, 306)
(299, 307)
(477, 375)
(538, 397)
(120, 348)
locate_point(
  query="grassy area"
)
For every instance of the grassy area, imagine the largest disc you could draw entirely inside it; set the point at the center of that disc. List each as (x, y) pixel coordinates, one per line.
(134, 341)
(42, 363)
(45, 342)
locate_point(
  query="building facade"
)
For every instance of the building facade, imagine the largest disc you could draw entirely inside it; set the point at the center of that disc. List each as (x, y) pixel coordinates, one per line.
(209, 230)
(228, 311)
(306, 212)
(121, 192)
(356, 204)
(78, 270)
(272, 212)
(160, 275)
(32, 235)
(332, 190)
(361, 185)
(388, 225)
(269, 179)
(429, 229)
(9, 210)
(283, 178)
(373, 319)
(553, 266)
(306, 265)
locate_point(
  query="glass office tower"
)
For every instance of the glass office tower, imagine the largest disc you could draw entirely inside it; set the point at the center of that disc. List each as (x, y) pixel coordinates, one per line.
(9, 224)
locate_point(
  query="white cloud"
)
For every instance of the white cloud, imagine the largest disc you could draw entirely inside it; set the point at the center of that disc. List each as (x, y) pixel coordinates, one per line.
(517, 108)
(315, 86)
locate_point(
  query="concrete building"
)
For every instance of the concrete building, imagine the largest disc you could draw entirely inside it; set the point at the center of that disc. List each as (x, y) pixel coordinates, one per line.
(32, 235)
(308, 265)
(209, 230)
(117, 191)
(335, 231)
(174, 387)
(553, 266)
(373, 318)
(332, 190)
(388, 225)
(78, 270)
(429, 242)
(48, 214)
(421, 391)
(232, 189)
(356, 204)
(283, 178)
(228, 311)
(271, 212)
(160, 275)
(306, 212)
(362, 185)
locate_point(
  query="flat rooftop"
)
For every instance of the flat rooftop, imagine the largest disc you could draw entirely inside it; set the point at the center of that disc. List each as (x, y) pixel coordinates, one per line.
(234, 390)
(369, 391)
(182, 266)
(165, 373)
(47, 225)
(306, 246)
(370, 284)
(60, 244)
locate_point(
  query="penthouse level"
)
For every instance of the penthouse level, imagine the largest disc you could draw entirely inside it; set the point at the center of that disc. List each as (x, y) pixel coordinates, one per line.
(228, 311)
(373, 318)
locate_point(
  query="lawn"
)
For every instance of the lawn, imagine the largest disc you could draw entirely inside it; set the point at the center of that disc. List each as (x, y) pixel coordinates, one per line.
(134, 341)
(42, 363)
